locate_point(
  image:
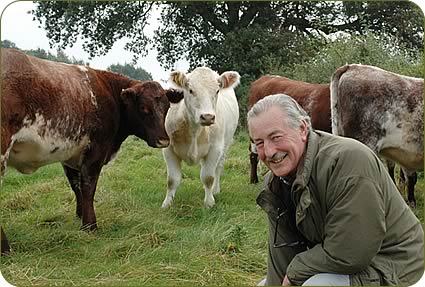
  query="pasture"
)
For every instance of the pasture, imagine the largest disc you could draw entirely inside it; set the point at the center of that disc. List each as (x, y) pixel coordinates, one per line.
(138, 243)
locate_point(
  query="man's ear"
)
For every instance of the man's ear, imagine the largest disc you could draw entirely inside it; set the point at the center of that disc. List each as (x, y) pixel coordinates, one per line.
(304, 130)
(174, 96)
(179, 79)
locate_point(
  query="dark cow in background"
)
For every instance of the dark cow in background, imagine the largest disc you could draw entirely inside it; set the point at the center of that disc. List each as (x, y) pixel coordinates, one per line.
(384, 110)
(314, 98)
(76, 115)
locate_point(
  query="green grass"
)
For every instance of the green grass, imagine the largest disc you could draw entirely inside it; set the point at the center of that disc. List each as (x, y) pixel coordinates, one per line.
(137, 243)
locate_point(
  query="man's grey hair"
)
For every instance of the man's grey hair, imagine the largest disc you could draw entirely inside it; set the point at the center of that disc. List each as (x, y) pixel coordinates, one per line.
(293, 111)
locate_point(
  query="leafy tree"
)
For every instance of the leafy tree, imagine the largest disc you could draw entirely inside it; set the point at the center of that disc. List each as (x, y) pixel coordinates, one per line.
(376, 50)
(8, 44)
(130, 71)
(219, 33)
(43, 54)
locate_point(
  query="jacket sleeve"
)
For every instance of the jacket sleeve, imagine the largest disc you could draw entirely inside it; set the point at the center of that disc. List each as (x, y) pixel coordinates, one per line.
(353, 233)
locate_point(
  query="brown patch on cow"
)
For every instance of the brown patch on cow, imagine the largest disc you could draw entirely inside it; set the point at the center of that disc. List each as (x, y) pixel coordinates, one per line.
(209, 180)
(313, 98)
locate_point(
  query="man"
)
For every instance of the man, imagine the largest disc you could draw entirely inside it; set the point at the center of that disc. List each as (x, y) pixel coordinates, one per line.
(335, 216)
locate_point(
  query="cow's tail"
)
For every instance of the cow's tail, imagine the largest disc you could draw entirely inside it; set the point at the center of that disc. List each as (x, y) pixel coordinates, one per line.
(335, 116)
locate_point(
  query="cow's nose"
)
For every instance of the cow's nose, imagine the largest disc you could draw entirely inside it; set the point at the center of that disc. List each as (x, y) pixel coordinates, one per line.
(162, 143)
(207, 119)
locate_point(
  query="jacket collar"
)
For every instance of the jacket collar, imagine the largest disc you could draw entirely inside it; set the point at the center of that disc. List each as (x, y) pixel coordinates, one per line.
(306, 165)
(267, 198)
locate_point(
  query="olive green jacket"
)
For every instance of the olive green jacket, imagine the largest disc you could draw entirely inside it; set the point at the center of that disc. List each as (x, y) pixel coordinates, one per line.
(352, 215)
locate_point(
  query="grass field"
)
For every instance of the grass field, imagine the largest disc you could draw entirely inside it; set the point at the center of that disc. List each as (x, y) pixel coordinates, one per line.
(138, 243)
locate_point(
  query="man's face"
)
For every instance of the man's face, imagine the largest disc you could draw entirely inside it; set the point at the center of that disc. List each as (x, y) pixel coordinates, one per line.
(279, 146)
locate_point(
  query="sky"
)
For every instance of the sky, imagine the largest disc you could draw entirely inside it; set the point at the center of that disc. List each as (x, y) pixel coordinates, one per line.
(18, 26)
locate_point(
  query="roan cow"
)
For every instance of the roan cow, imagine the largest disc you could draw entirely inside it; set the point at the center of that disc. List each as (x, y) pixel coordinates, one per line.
(384, 110)
(76, 115)
(201, 128)
(314, 98)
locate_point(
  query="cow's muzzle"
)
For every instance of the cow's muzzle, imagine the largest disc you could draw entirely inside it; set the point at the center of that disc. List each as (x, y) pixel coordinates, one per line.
(207, 119)
(162, 143)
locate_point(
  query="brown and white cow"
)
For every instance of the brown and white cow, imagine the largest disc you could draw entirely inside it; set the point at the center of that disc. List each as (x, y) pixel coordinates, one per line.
(314, 98)
(76, 115)
(201, 128)
(384, 110)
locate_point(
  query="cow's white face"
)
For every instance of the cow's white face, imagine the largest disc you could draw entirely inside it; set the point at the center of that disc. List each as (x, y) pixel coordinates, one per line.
(201, 90)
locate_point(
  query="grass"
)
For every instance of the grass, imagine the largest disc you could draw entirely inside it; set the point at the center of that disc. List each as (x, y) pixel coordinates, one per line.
(137, 243)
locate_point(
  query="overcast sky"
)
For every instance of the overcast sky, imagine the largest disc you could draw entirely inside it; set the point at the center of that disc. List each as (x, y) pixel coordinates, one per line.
(17, 26)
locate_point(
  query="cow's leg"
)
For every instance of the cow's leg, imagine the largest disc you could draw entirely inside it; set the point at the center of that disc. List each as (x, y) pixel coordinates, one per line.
(391, 168)
(88, 181)
(253, 158)
(208, 173)
(174, 176)
(411, 179)
(5, 248)
(218, 171)
(74, 176)
(6, 146)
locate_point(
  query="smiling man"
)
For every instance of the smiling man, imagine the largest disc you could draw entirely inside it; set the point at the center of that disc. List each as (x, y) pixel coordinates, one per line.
(335, 215)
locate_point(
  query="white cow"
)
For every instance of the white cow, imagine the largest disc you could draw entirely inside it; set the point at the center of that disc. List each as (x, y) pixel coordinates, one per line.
(201, 128)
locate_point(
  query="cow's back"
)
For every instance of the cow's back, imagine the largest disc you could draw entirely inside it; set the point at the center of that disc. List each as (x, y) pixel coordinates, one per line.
(58, 91)
(314, 98)
(384, 110)
(48, 110)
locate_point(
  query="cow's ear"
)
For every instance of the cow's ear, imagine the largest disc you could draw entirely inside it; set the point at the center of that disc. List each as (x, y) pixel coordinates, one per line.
(128, 94)
(229, 79)
(179, 79)
(174, 96)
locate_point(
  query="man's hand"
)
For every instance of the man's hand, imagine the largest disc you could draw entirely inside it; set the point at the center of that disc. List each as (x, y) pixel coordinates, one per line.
(286, 281)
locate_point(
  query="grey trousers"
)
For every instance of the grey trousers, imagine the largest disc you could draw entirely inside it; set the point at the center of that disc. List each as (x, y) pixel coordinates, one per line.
(321, 279)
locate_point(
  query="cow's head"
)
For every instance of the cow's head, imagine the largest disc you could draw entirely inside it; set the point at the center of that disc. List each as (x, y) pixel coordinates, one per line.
(146, 105)
(201, 89)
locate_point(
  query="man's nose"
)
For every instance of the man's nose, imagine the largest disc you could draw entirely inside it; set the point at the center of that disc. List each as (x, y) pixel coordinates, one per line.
(269, 149)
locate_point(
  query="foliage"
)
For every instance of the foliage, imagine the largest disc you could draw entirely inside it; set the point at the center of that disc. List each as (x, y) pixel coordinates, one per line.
(137, 242)
(8, 44)
(59, 57)
(99, 23)
(130, 71)
(223, 34)
(381, 51)
(43, 54)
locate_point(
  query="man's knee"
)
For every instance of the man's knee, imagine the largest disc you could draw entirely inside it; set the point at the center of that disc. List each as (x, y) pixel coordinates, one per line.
(328, 279)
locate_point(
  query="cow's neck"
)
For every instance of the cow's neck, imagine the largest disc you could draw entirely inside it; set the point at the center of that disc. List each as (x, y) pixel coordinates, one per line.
(118, 83)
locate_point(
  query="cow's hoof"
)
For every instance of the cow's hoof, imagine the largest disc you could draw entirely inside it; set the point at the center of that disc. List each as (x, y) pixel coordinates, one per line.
(89, 227)
(166, 203)
(209, 203)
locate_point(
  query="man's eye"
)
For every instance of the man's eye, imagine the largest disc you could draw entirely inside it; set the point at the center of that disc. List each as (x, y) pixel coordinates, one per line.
(276, 138)
(259, 144)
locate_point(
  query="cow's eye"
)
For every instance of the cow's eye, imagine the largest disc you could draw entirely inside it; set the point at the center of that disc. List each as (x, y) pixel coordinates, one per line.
(217, 92)
(190, 91)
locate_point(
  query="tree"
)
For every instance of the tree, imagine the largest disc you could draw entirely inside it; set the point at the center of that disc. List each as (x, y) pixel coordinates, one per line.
(207, 32)
(8, 44)
(130, 71)
(43, 54)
